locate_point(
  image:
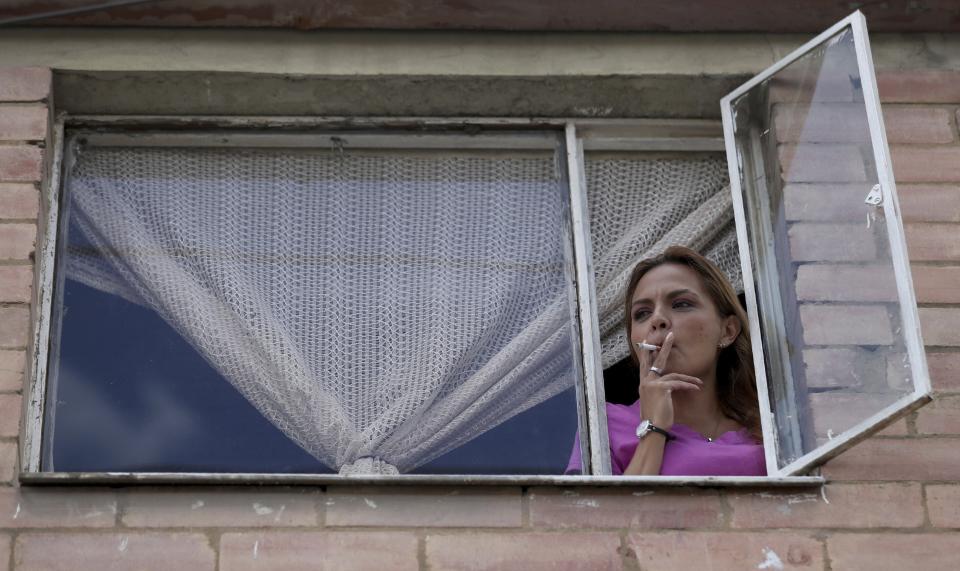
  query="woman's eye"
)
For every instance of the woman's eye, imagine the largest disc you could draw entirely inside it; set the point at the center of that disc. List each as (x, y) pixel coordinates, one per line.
(681, 304)
(640, 314)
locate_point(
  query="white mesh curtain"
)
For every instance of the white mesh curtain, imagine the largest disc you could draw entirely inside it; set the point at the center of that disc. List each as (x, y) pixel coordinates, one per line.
(640, 205)
(379, 308)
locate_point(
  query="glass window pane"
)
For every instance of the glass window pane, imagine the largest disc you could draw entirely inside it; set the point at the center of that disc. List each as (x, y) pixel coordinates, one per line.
(833, 329)
(313, 310)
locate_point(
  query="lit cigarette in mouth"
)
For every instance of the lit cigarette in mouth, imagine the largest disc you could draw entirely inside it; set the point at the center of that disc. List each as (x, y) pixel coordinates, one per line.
(648, 347)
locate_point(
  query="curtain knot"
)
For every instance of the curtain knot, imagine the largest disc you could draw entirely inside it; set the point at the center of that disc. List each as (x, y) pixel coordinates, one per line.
(368, 466)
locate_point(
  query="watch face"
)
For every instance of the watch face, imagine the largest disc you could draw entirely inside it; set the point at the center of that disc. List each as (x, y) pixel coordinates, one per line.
(643, 428)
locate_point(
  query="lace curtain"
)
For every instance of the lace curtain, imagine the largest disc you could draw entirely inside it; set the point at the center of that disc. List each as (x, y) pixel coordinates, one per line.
(379, 308)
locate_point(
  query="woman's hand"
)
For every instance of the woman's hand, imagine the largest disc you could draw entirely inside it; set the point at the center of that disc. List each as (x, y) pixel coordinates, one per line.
(656, 401)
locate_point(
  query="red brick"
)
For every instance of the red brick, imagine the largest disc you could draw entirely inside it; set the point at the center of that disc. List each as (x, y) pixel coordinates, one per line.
(494, 551)
(682, 551)
(914, 125)
(25, 83)
(942, 416)
(944, 370)
(836, 412)
(301, 551)
(424, 507)
(842, 367)
(11, 370)
(827, 163)
(893, 551)
(203, 507)
(23, 123)
(5, 550)
(56, 507)
(17, 241)
(917, 459)
(919, 86)
(929, 202)
(940, 326)
(113, 552)
(943, 505)
(20, 163)
(847, 123)
(835, 282)
(14, 325)
(933, 242)
(926, 164)
(836, 505)
(10, 406)
(16, 284)
(845, 325)
(832, 243)
(18, 200)
(825, 202)
(936, 284)
(898, 428)
(647, 509)
(8, 461)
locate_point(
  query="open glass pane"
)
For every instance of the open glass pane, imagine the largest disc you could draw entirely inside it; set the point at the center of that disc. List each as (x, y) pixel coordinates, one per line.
(381, 304)
(825, 248)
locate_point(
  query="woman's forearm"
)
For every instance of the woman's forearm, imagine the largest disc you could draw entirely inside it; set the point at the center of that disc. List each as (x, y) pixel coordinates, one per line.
(648, 457)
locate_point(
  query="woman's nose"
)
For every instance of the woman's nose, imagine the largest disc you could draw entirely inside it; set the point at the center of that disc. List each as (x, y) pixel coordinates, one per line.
(658, 321)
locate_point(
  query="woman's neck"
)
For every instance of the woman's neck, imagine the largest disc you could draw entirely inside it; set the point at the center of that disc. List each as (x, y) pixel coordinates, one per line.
(699, 410)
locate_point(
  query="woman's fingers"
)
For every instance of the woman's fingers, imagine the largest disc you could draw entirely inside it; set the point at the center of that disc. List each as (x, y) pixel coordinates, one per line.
(661, 361)
(678, 386)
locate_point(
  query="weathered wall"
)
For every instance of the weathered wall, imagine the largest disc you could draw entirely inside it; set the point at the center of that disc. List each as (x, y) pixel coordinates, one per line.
(892, 502)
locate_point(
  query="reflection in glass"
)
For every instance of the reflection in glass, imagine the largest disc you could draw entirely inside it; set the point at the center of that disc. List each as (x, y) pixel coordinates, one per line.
(277, 310)
(834, 338)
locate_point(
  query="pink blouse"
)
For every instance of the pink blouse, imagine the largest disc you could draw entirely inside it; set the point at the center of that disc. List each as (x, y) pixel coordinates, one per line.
(734, 453)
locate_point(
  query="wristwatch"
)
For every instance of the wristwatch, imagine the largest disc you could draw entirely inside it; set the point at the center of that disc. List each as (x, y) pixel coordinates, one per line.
(646, 427)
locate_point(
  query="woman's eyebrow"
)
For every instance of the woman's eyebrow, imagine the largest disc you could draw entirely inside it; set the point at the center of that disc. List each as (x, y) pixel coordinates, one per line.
(671, 295)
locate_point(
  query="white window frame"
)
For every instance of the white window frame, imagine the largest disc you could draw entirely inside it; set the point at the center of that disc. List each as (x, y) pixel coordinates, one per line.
(772, 309)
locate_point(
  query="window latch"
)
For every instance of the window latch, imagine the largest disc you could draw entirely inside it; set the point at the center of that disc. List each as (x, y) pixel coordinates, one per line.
(875, 196)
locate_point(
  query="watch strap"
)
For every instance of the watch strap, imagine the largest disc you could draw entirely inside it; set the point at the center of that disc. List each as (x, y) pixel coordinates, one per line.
(646, 427)
(661, 431)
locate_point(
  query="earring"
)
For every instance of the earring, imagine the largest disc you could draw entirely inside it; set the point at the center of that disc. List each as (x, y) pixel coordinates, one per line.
(721, 345)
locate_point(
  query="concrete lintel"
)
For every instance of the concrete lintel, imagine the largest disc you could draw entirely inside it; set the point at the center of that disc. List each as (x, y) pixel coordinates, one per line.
(204, 93)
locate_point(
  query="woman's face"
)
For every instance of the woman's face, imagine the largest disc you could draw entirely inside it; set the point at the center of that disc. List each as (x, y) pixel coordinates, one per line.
(671, 298)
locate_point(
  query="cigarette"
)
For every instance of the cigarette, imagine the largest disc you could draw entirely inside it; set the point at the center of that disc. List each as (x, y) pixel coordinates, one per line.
(648, 346)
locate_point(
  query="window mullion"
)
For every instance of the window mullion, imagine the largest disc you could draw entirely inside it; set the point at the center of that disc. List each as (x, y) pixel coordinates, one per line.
(589, 329)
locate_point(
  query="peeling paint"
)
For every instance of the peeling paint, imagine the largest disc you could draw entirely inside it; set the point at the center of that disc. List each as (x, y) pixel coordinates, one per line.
(823, 494)
(256, 549)
(586, 503)
(261, 509)
(16, 512)
(280, 513)
(123, 543)
(197, 505)
(370, 503)
(645, 493)
(772, 561)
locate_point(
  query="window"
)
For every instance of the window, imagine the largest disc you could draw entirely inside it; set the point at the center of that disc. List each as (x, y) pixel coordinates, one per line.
(444, 299)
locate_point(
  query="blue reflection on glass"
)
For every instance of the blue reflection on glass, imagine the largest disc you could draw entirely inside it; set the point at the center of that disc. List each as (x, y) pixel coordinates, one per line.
(132, 395)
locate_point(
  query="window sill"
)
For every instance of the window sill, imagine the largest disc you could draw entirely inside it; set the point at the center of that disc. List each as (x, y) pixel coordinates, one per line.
(131, 478)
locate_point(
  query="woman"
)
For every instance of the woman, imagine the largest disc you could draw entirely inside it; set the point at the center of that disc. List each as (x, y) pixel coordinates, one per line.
(698, 412)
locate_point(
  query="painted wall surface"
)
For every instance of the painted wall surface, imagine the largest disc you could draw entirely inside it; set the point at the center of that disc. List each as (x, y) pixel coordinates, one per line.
(891, 502)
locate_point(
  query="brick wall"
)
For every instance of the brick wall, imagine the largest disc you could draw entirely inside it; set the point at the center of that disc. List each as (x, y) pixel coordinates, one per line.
(892, 502)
